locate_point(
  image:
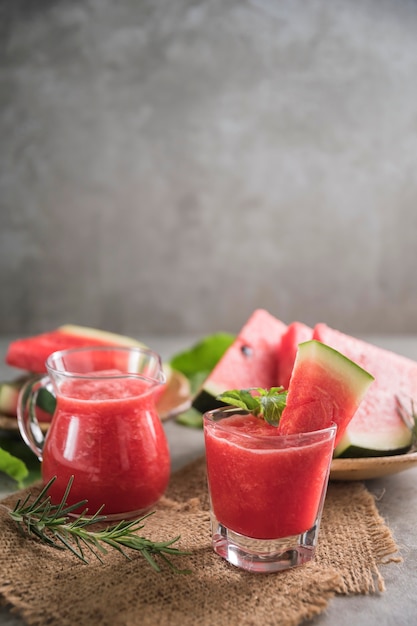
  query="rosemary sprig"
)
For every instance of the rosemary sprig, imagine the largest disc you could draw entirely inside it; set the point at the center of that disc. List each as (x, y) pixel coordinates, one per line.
(52, 524)
(266, 403)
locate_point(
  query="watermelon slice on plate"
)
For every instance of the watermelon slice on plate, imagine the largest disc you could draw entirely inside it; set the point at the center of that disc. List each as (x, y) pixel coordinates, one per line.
(251, 360)
(30, 353)
(325, 388)
(376, 428)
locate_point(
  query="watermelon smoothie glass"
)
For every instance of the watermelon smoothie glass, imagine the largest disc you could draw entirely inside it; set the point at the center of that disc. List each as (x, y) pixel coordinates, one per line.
(266, 490)
(105, 431)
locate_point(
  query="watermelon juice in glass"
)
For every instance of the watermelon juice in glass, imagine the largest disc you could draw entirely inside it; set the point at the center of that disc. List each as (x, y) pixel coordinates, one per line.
(266, 490)
(105, 431)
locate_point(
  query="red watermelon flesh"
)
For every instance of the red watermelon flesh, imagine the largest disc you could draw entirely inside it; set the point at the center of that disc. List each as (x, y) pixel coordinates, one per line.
(325, 388)
(251, 360)
(30, 353)
(376, 425)
(296, 333)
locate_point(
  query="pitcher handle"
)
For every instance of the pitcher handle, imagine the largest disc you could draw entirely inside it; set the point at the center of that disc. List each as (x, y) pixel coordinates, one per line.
(27, 420)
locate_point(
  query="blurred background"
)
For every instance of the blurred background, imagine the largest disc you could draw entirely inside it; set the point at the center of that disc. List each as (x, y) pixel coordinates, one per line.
(168, 166)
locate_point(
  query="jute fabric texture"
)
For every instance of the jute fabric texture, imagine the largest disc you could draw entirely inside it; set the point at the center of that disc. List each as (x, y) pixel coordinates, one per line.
(51, 587)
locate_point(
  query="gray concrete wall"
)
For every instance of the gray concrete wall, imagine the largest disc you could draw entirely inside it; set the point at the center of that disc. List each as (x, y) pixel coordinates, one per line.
(170, 165)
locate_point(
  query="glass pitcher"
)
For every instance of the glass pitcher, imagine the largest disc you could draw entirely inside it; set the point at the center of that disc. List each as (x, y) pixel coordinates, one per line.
(105, 430)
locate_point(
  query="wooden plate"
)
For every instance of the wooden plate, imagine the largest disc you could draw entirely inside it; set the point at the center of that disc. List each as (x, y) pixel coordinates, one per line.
(176, 397)
(371, 467)
(10, 424)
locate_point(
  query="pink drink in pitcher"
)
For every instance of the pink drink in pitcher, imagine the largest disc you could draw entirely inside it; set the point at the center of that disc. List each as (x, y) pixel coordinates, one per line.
(105, 431)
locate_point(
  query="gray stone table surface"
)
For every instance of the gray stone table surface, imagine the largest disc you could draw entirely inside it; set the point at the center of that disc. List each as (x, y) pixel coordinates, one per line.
(396, 500)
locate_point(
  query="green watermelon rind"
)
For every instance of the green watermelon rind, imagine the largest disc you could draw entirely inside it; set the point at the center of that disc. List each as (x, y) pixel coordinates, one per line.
(364, 436)
(9, 394)
(206, 400)
(359, 378)
(363, 444)
(361, 452)
(97, 334)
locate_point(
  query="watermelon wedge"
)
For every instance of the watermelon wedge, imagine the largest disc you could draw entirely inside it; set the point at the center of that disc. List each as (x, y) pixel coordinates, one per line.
(325, 388)
(376, 429)
(296, 333)
(251, 360)
(9, 394)
(30, 353)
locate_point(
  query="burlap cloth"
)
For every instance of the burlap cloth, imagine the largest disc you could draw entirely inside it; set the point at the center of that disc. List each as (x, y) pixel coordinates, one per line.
(48, 586)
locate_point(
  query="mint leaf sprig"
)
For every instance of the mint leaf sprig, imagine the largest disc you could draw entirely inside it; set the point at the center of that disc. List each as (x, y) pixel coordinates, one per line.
(52, 525)
(265, 403)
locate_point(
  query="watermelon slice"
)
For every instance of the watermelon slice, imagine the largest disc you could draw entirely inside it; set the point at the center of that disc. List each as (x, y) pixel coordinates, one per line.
(30, 353)
(325, 388)
(376, 429)
(9, 394)
(251, 360)
(296, 333)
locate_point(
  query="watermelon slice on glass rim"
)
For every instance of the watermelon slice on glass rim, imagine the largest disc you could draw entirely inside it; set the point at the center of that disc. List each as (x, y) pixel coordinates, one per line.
(325, 387)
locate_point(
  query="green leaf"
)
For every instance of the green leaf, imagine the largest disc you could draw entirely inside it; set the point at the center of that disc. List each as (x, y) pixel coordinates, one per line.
(17, 448)
(243, 399)
(202, 356)
(266, 403)
(196, 380)
(191, 418)
(13, 467)
(196, 363)
(273, 405)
